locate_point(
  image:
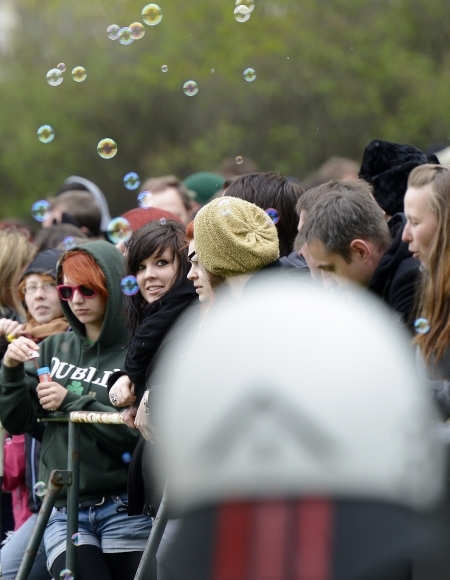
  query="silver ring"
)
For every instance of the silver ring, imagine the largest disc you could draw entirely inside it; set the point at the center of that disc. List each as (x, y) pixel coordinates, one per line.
(113, 399)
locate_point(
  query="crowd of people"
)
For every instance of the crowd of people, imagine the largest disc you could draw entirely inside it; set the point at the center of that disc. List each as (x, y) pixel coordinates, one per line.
(382, 229)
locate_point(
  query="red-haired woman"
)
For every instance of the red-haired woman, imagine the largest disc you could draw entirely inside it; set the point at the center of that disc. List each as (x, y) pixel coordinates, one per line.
(81, 362)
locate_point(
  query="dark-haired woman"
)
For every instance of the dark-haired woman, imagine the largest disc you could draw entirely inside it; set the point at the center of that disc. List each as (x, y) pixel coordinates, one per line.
(158, 258)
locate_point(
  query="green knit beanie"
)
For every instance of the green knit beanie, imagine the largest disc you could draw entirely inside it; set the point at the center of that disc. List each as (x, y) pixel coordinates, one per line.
(204, 184)
(233, 237)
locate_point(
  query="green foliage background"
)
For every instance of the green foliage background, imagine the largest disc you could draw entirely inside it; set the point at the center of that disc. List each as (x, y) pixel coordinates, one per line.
(332, 75)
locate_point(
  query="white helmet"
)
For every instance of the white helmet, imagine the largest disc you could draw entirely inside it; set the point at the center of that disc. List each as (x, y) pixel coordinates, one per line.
(294, 392)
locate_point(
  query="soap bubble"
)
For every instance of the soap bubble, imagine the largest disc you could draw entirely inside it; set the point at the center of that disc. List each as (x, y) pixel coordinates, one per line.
(163, 221)
(164, 68)
(422, 326)
(66, 574)
(273, 214)
(45, 134)
(61, 67)
(40, 209)
(54, 77)
(79, 74)
(64, 347)
(242, 13)
(137, 30)
(250, 4)
(125, 36)
(131, 180)
(249, 74)
(152, 14)
(129, 285)
(213, 70)
(77, 539)
(40, 489)
(69, 243)
(113, 31)
(107, 148)
(119, 230)
(190, 88)
(126, 457)
(145, 199)
(239, 160)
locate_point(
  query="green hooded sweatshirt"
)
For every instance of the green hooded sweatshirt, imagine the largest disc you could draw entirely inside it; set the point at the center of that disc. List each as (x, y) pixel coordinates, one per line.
(83, 369)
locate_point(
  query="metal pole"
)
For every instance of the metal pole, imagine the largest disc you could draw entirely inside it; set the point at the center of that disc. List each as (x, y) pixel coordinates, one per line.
(149, 555)
(42, 521)
(73, 497)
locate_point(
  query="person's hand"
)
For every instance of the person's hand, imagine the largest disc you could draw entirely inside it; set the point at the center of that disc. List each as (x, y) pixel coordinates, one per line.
(128, 416)
(121, 246)
(121, 393)
(142, 420)
(51, 395)
(10, 327)
(19, 351)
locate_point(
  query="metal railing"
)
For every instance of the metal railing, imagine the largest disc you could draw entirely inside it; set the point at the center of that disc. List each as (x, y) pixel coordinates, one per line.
(70, 477)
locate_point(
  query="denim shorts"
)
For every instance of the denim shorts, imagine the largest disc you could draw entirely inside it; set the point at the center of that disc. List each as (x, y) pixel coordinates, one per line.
(106, 526)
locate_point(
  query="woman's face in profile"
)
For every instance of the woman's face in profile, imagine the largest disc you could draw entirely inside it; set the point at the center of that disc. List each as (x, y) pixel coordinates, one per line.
(422, 224)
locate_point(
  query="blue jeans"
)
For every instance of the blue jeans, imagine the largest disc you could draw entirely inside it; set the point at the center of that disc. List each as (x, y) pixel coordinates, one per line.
(12, 553)
(106, 526)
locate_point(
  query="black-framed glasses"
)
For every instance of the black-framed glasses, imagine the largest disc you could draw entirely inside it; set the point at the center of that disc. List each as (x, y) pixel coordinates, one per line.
(66, 291)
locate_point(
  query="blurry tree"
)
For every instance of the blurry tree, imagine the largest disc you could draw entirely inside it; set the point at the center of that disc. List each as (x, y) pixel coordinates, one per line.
(331, 76)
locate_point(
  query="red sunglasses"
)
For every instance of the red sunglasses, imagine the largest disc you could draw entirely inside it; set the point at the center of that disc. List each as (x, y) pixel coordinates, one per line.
(66, 292)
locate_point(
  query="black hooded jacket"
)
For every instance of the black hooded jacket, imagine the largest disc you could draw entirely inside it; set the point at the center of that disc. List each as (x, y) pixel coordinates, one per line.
(395, 278)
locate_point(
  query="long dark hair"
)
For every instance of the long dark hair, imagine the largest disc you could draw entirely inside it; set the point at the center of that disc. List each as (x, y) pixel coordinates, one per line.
(154, 239)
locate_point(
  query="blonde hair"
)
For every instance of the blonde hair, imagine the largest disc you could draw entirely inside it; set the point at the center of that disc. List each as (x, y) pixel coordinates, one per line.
(434, 291)
(16, 252)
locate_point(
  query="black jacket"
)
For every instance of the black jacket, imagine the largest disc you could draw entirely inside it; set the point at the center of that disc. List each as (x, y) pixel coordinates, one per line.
(395, 278)
(152, 334)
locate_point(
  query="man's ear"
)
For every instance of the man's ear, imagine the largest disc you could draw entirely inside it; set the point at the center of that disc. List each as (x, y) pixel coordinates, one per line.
(361, 248)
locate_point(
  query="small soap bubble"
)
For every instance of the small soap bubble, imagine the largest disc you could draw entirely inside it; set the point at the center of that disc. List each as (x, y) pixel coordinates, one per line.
(131, 180)
(77, 539)
(113, 31)
(152, 14)
(66, 574)
(69, 243)
(163, 221)
(129, 285)
(190, 88)
(213, 70)
(125, 36)
(8, 441)
(249, 74)
(137, 30)
(119, 230)
(239, 160)
(145, 199)
(54, 77)
(107, 148)
(126, 457)
(64, 347)
(45, 134)
(422, 326)
(225, 211)
(61, 67)
(79, 74)
(242, 13)
(40, 489)
(40, 209)
(250, 4)
(164, 68)
(273, 214)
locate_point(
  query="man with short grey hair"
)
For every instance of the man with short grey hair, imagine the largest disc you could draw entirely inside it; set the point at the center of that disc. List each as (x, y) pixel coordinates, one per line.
(347, 236)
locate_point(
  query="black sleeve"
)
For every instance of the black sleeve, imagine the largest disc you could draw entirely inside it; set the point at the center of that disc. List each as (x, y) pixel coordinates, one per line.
(402, 294)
